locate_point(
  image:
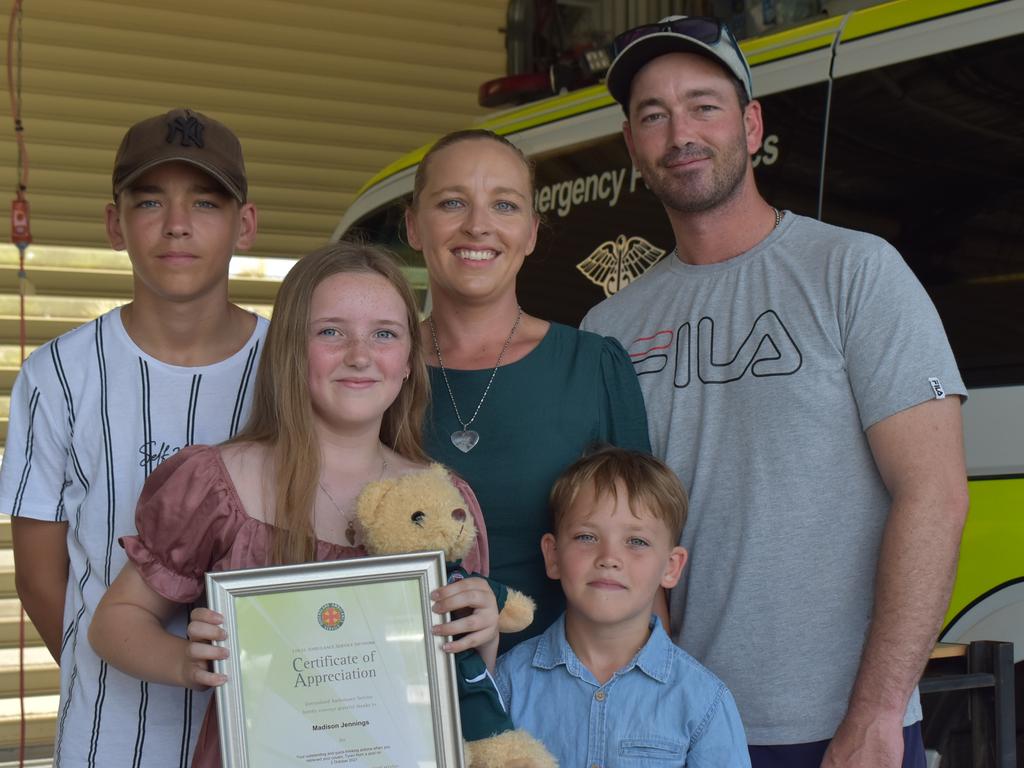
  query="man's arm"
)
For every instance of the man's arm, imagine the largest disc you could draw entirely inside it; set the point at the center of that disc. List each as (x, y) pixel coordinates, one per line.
(41, 575)
(920, 456)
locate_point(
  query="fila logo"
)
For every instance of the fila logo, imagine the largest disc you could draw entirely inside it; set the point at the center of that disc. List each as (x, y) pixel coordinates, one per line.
(189, 129)
(940, 393)
(767, 350)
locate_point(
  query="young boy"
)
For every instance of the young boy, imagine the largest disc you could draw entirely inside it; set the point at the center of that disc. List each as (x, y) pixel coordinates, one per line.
(94, 411)
(604, 685)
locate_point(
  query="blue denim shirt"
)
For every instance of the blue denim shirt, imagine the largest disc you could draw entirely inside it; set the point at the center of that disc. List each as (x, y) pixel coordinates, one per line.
(661, 709)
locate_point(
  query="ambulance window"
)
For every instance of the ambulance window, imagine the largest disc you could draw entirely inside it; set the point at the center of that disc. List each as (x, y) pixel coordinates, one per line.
(928, 154)
(788, 166)
(601, 228)
(386, 226)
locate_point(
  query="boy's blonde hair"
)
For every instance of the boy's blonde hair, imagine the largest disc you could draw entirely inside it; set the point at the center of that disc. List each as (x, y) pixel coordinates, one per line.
(647, 481)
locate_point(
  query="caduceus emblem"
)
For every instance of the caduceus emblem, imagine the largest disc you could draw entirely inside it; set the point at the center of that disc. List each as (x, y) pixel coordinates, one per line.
(614, 264)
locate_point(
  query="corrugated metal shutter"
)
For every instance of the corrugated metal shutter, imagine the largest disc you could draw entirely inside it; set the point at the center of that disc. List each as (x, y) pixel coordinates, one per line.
(323, 93)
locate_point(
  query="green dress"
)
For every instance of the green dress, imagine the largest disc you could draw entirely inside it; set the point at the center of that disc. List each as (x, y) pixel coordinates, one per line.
(573, 390)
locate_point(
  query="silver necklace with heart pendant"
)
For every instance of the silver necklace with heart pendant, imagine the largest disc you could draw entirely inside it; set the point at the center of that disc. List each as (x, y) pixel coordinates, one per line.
(465, 439)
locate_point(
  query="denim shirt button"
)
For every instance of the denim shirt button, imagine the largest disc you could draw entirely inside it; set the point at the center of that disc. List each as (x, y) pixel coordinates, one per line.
(599, 695)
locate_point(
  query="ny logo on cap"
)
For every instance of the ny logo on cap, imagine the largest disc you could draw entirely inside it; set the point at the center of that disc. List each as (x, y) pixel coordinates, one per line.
(190, 130)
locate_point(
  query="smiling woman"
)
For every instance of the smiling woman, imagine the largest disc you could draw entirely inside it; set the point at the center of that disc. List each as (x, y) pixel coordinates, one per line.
(517, 399)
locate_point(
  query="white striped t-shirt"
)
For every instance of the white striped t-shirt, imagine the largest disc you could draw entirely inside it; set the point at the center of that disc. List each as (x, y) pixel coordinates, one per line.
(91, 416)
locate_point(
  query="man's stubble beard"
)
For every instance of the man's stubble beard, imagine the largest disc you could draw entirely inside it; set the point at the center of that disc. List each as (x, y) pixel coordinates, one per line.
(682, 192)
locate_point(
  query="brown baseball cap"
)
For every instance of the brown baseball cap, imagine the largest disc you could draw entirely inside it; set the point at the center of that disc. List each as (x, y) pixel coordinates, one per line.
(183, 136)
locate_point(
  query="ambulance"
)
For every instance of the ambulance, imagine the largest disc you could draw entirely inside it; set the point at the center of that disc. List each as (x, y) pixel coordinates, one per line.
(904, 119)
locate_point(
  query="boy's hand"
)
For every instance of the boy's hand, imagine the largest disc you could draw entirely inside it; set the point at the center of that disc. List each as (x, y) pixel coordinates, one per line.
(474, 614)
(204, 627)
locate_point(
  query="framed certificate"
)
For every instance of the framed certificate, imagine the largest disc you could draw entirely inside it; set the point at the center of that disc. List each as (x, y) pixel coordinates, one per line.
(334, 664)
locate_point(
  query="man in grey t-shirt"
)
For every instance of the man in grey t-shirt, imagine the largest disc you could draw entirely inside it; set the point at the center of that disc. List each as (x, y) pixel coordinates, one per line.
(798, 379)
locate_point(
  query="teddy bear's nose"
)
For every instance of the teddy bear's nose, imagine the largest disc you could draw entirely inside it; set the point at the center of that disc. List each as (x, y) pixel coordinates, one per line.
(459, 515)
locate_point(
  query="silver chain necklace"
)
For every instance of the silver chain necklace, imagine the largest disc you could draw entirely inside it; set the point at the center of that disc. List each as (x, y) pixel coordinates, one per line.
(465, 439)
(350, 530)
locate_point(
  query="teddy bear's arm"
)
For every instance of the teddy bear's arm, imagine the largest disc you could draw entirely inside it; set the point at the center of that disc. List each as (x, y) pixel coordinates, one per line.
(517, 613)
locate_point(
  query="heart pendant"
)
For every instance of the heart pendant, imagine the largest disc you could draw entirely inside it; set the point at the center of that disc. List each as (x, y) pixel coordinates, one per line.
(465, 439)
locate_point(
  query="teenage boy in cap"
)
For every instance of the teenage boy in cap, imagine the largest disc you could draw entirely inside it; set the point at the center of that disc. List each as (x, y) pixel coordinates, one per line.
(94, 411)
(817, 427)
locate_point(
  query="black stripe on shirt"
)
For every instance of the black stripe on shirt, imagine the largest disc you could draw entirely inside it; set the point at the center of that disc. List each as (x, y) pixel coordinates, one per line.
(69, 410)
(148, 464)
(108, 452)
(147, 425)
(62, 379)
(111, 510)
(97, 714)
(72, 628)
(64, 714)
(26, 470)
(186, 731)
(193, 407)
(69, 631)
(243, 388)
(79, 472)
(62, 512)
(140, 733)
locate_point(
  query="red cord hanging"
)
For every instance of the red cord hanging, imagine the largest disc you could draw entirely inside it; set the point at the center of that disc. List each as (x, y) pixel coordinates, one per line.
(21, 236)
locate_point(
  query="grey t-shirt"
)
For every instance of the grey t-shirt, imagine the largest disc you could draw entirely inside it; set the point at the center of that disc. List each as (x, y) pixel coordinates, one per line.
(761, 375)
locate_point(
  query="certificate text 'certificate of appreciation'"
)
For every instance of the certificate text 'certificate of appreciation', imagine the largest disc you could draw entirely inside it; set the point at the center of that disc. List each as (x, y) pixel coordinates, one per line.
(333, 664)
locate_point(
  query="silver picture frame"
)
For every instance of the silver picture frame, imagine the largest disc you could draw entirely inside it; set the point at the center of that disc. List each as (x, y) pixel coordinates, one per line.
(334, 663)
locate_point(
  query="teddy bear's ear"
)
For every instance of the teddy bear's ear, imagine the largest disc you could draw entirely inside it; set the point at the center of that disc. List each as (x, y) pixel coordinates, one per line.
(370, 498)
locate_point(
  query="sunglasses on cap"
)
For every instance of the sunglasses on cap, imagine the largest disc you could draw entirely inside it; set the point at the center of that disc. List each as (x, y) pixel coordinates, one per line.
(701, 28)
(708, 32)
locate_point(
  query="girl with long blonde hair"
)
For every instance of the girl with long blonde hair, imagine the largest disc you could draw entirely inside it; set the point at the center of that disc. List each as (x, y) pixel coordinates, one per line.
(339, 401)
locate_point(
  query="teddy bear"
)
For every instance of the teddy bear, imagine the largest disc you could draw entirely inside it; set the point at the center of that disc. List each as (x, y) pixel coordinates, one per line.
(422, 512)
